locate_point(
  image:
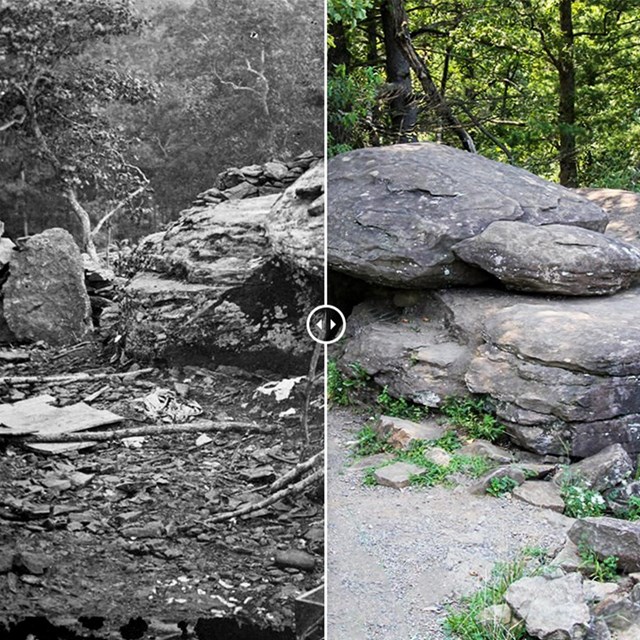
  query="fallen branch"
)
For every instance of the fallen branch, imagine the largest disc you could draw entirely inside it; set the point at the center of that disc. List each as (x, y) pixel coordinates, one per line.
(71, 377)
(269, 500)
(311, 378)
(296, 471)
(131, 432)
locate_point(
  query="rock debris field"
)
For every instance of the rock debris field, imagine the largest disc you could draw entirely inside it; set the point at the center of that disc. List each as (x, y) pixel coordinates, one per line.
(120, 539)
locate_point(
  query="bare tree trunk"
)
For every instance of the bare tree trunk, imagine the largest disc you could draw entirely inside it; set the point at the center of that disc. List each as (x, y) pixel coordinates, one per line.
(404, 110)
(86, 241)
(438, 103)
(567, 98)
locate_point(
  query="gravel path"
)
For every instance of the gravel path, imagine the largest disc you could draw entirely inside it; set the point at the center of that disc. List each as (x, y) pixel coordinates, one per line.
(397, 558)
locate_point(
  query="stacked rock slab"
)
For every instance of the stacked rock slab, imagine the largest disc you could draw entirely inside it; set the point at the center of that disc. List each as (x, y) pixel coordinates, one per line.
(562, 371)
(213, 289)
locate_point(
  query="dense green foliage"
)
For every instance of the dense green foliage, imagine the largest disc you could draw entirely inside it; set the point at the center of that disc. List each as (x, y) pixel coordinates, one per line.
(532, 81)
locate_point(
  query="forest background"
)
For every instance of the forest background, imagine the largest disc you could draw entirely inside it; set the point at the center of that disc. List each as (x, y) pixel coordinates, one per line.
(132, 108)
(549, 85)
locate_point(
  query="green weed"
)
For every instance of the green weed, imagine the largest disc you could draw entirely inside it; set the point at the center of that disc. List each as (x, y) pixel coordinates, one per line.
(369, 442)
(464, 623)
(473, 415)
(601, 570)
(369, 477)
(632, 512)
(340, 387)
(500, 486)
(399, 407)
(580, 501)
(450, 441)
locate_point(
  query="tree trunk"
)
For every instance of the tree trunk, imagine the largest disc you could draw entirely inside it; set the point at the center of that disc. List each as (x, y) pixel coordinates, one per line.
(403, 107)
(438, 103)
(567, 98)
(86, 241)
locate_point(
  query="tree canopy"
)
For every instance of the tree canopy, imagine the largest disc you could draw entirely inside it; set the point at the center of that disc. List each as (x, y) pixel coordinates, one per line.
(550, 85)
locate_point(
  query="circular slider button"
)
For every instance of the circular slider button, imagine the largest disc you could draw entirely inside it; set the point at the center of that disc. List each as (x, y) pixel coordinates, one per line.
(326, 324)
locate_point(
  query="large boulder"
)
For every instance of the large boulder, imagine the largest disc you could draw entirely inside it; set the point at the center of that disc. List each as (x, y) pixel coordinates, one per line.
(295, 225)
(395, 213)
(562, 373)
(209, 289)
(559, 259)
(45, 296)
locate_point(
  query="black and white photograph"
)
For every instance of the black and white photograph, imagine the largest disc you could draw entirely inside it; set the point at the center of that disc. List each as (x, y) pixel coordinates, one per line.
(161, 247)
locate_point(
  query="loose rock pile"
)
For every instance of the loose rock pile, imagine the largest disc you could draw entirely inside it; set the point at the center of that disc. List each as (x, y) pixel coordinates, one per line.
(256, 180)
(562, 371)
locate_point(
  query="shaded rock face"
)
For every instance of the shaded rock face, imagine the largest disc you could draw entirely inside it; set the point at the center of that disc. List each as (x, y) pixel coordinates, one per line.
(210, 290)
(295, 225)
(562, 374)
(395, 213)
(554, 258)
(45, 296)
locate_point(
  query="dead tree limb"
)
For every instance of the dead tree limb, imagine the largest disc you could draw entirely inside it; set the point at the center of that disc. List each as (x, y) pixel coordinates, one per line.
(440, 105)
(293, 489)
(311, 378)
(201, 426)
(296, 471)
(71, 377)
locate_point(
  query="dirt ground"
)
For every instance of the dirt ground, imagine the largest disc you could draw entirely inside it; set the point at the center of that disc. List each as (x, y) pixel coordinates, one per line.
(117, 541)
(397, 560)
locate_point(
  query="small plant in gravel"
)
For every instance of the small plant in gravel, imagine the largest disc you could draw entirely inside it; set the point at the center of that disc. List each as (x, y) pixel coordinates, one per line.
(466, 623)
(599, 569)
(369, 478)
(474, 416)
(369, 442)
(501, 486)
(582, 502)
(341, 387)
(399, 407)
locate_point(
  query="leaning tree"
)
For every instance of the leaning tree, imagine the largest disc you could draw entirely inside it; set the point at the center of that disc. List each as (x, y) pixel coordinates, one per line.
(54, 99)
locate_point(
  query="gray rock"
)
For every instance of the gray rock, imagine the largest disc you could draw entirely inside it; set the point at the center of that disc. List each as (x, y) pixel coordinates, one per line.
(374, 460)
(438, 456)
(568, 558)
(296, 232)
(398, 475)
(540, 494)
(622, 209)
(619, 611)
(212, 289)
(402, 433)
(597, 591)
(45, 296)
(487, 450)
(27, 562)
(610, 537)
(396, 212)
(602, 471)
(552, 609)
(418, 359)
(512, 471)
(559, 259)
(496, 618)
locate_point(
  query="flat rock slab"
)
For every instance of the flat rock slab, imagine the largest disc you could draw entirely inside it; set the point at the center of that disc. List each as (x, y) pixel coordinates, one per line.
(540, 494)
(558, 259)
(552, 609)
(45, 296)
(38, 417)
(401, 433)
(398, 475)
(610, 537)
(604, 470)
(396, 212)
